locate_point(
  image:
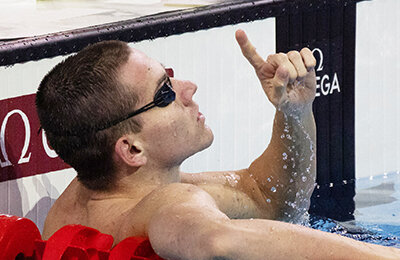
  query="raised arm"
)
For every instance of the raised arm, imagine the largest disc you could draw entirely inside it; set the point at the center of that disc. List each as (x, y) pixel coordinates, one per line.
(285, 172)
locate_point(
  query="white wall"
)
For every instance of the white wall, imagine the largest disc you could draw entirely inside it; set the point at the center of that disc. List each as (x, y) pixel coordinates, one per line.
(377, 88)
(29, 197)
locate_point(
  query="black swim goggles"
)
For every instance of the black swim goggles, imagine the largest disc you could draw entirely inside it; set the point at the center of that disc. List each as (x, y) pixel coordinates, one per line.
(163, 97)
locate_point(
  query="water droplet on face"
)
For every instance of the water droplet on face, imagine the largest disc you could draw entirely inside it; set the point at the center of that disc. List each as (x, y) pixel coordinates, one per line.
(289, 137)
(269, 179)
(295, 174)
(282, 136)
(285, 166)
(284, 156)
(304, 178)
(291, 180)
(273, 189)
(268, 201)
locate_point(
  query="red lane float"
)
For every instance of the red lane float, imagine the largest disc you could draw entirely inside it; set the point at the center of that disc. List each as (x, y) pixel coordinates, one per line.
(76, 242)
(20, 239)
(17, 236)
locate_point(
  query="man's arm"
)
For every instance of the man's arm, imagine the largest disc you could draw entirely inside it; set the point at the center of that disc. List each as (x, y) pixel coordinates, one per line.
(285, 172)
(281, 180)
(194, 228)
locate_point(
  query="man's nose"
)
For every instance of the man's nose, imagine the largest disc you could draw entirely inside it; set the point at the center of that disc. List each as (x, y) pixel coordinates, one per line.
(186, 92)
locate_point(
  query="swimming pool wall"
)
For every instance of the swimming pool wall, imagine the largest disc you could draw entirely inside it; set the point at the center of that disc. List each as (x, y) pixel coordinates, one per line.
(199, 45)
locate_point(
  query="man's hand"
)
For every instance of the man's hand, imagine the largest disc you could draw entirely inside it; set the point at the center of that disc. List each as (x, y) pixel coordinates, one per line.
(287, 79)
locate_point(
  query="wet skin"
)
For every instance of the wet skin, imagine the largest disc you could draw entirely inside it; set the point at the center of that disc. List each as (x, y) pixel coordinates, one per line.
(208, 215)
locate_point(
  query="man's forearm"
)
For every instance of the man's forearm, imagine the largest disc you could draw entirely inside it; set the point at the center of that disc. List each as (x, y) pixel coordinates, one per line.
(266, 239)
(194, 228)
(286, 170)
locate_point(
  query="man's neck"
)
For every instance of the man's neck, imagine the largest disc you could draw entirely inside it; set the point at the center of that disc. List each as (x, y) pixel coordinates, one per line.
(137, 183)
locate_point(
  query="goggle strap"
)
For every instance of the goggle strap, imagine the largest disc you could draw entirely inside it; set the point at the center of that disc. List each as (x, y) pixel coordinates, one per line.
(141, 110)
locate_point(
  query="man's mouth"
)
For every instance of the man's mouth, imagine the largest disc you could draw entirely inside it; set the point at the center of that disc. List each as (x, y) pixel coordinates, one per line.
(200, 116)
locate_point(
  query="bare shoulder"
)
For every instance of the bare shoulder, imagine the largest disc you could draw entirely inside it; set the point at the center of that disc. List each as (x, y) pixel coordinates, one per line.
(169, 196)
(178, 193)
(172, 194)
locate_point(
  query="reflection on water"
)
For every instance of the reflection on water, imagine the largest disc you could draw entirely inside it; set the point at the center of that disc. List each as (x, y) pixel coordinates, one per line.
(376, 195)
(377, 212)
(381, 234)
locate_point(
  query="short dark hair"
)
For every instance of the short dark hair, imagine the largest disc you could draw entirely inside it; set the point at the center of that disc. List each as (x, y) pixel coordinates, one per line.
(84, 92)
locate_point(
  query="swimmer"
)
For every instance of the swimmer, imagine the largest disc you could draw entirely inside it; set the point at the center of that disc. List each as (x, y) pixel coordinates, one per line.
(115, 116)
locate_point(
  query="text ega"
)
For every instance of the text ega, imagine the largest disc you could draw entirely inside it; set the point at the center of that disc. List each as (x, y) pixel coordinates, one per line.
(327, 85)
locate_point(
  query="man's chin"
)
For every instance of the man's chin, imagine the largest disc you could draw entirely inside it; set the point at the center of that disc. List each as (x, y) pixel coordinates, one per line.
(206, 141)
(210, 138)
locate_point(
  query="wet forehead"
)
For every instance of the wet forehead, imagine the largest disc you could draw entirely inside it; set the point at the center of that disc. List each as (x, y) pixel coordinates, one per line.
(142, 73)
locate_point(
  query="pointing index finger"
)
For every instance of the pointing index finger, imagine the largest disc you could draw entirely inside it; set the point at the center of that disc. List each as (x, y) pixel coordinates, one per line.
(248, 50)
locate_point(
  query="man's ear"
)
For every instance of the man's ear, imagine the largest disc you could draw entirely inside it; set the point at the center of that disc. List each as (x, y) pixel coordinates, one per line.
(130, 151)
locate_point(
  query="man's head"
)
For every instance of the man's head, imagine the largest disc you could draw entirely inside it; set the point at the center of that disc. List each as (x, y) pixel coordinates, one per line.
(104, 83)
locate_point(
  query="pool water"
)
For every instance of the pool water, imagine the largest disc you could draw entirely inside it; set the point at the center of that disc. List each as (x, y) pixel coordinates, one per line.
(381, 234)
(377, 214)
